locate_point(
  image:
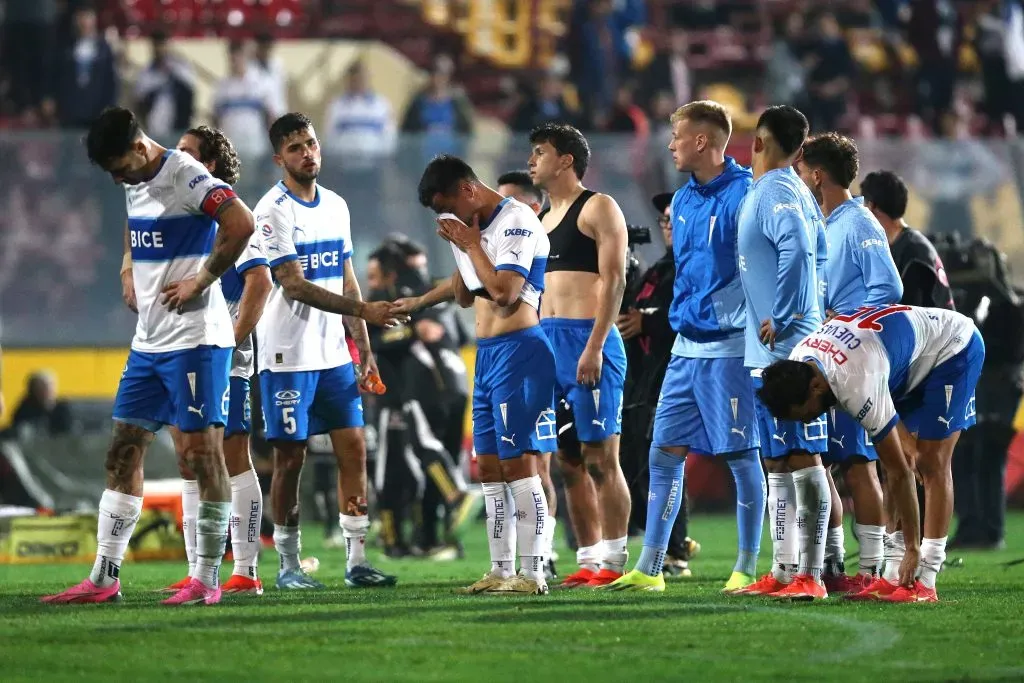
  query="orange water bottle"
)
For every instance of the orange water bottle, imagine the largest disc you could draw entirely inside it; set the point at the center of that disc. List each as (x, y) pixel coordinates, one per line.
(374, 384)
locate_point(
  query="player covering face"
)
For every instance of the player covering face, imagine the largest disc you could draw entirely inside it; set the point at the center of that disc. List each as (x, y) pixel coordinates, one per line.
(500, 248)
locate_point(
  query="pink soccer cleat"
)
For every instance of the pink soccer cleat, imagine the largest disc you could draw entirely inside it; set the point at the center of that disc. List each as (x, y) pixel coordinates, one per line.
(194, 593)
(85, 592)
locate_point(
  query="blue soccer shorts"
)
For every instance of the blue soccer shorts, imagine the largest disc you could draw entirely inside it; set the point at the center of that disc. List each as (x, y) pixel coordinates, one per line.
(707, 405)
(512, 391)
(943, 404)
(239, 407)
(186, 388)
(779, 438)
(597, 410)
(298, 405)
(847, 440)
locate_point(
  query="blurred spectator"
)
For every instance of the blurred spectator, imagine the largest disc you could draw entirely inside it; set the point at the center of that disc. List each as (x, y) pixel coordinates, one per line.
(361, 120)
(1013, 51)
(932, 31)
(950, 171)
(545, 103)
(626, 115)
(830, 77)
(785, 74)
(272, 70)
(28, 32)
(441, 111)
(669, 71)
(243, 104)
(85, 80)
(165, 93)
(599, 51)
(40, 412)
(989, 44)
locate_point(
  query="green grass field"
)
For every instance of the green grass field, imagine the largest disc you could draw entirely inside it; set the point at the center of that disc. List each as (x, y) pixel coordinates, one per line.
(420, 631)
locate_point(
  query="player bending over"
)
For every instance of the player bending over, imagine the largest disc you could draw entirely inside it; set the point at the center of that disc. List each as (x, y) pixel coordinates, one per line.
(308, 384)
(500, 248)
(859, 272)
(177, 370)
(907, 375)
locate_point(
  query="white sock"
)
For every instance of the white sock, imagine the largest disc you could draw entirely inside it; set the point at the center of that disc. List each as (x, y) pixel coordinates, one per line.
(549, 538)
(531, 521)
(835, 550)
(933, 554)
(813, 503)
(501, 529)
(189, 513)
(589, 557)
(870, 538)
(894, 549)
(211, 537)
(288, 544)
(246, 514)
(117, 517)
(354, 528)
(615, 554)
(782, 513)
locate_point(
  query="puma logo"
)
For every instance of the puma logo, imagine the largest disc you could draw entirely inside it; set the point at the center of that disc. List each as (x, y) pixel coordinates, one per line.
(198, 411)
(944, 421)
(838, 441)
(515, 253)
(780, 438)
(599, 423)
(742, 432)
(509, 439)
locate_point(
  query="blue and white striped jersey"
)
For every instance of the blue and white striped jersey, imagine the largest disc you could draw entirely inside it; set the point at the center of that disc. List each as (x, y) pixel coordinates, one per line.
(171, 224)
(513, 239)
(294, 336)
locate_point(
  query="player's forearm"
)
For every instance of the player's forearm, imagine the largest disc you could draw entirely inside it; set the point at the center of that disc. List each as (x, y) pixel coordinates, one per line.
(502, 290)
(901, 485)
(440, 294)
(254, 299)
(609, 295)
(306, 292)
(236, 227)
(357, 326)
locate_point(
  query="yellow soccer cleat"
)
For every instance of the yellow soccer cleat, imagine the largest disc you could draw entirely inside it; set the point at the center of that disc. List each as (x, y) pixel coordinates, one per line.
(738, 581)
(636, 581)
(488, 582)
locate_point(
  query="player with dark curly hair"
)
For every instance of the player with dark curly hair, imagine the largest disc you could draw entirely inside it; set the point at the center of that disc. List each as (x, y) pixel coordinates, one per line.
(213, 149)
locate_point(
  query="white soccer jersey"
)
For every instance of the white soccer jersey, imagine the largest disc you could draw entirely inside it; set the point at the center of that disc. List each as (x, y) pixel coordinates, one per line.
(171, 228)
(878, 355)
(233, 284)
(513, 239)
(293, 336)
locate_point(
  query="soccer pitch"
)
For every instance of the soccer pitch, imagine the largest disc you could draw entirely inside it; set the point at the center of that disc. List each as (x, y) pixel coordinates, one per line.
(421, 631)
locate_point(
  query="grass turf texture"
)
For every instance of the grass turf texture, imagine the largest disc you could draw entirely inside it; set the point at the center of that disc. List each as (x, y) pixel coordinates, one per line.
(421, 631)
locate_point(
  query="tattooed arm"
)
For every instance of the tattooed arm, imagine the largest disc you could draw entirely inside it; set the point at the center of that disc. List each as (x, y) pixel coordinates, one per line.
(357, 326)
(296, 287)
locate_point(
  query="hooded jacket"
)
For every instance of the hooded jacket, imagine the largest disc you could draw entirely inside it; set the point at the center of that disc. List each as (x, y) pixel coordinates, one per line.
(708, 310)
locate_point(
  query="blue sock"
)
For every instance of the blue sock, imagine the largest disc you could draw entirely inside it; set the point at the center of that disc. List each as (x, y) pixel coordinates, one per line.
(751, 494)
(666, 495)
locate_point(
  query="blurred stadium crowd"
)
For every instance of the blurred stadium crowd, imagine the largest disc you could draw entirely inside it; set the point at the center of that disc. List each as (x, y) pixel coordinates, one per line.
(934, 71)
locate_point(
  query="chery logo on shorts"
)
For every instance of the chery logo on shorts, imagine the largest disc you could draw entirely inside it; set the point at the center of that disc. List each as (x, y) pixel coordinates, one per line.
(286, 397)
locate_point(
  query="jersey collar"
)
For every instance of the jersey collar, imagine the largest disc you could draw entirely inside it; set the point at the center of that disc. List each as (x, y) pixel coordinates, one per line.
(501, 205)
(309, 205)
(845, 206)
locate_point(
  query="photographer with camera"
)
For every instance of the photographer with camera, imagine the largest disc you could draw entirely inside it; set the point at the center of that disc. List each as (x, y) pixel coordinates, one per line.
(644, 325)
(420, 417)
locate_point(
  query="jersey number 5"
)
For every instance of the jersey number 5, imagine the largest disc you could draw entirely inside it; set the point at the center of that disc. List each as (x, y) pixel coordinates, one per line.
(288, 418)
(867, 317)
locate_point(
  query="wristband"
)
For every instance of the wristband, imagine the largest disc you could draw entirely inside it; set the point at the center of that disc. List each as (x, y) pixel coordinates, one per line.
(126, 262)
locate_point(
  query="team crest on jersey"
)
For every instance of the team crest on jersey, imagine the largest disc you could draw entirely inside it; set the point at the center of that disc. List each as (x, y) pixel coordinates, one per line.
(545, 426)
